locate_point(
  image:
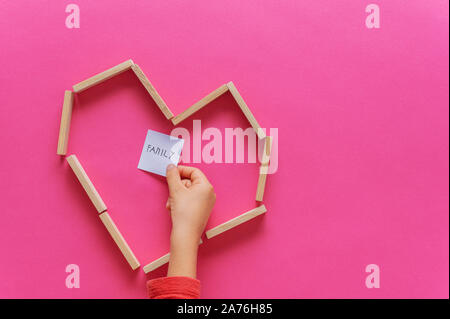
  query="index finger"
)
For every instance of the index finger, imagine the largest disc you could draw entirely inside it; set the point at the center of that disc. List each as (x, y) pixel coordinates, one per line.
(194, 174)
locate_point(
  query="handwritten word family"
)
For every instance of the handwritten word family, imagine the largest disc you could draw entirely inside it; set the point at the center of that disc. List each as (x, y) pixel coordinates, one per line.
(156, 150)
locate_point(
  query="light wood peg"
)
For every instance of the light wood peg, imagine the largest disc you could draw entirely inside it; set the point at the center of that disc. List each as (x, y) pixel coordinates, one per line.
(83, 178)
(119, 240)
(246, 110)
(267, 151)
(261, 186)
(263, 169)
(103, 76)
(152, 91)
(200, 104)
(64, 127)
(236, 221)
(157, 263)
(160, 262)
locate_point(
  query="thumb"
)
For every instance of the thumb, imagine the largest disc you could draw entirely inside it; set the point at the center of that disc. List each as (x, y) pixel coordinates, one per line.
(173, 178)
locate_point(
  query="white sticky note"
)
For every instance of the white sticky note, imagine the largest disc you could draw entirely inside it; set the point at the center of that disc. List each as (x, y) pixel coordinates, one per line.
(159, 151)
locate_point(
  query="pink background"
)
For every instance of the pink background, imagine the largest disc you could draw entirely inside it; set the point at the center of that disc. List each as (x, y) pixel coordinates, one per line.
(363, 144)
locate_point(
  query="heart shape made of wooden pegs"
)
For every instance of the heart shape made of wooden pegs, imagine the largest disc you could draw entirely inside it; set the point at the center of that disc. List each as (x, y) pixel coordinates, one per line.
(93, 193)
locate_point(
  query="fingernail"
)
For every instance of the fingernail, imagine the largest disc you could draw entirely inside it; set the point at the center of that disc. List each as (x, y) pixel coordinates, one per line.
(170, 166)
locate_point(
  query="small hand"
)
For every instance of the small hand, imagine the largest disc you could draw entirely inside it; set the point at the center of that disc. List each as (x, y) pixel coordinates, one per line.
(191, 199)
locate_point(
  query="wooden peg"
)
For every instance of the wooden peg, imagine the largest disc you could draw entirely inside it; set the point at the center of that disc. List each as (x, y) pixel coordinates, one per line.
(160, 261)
(236, 221)
(264, 169)
(152, 91)
(157, 263)
(200, 104)
(86, 183)
(261, 186)
(267, 151)
(103, 76)
(119, 240)
(245, 109)
(64, 127)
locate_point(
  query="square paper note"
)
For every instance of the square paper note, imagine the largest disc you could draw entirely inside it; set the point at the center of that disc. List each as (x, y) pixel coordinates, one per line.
(159, 151)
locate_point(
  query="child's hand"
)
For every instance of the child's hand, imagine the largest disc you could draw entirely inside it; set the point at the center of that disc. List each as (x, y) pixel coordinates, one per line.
(191, 199)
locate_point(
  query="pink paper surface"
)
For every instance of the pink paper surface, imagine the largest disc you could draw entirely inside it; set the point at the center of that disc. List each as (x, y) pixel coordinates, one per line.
(362, 117)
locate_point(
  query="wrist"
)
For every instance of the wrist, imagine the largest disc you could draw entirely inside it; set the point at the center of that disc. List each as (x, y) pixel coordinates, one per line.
(183, 254)
(184, 238)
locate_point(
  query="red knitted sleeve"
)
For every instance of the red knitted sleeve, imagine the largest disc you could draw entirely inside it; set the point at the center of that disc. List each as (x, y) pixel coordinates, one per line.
(173, 288)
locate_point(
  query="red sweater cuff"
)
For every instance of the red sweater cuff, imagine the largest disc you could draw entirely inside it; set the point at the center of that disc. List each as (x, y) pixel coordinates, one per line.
(173, 288)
